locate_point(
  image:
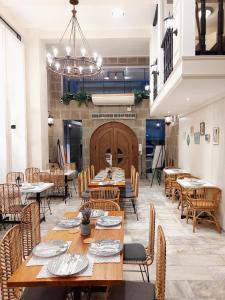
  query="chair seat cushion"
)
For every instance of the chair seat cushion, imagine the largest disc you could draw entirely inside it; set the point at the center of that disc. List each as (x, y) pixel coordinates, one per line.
(203, 204)
(44, 293)
(134, 252)
(132, 290)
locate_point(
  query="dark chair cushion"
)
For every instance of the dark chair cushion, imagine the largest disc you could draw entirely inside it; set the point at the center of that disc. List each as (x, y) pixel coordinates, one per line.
(127, 194)
(134, 251)
(131, 290)
(86, 195)
(44, 293)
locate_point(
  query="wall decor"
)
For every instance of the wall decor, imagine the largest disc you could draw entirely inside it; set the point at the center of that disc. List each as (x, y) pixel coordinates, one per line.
(192, 130)
(207, 138)
(197, 137)
(215, 137)
(202, 128)
(188, 140)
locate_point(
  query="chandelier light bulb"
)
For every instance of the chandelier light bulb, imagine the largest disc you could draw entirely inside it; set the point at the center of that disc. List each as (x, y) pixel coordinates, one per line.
(55, 52)
(68, 50)
(50, 61)
(57, 65)
(80, 69)
(91, 68)
(83, 52)
(49, 55)
(68, 69)
(95, 55)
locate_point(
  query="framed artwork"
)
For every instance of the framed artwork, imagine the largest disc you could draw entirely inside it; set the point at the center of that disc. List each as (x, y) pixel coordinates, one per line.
(207, 138)
(192, 130)
(215, 137)
(202, 128)
(197, 137)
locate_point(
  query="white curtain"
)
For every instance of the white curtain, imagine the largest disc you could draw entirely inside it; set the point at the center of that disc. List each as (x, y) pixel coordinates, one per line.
(13, 142)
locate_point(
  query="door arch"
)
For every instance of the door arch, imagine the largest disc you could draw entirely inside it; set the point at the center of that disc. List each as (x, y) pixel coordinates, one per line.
(119, 140)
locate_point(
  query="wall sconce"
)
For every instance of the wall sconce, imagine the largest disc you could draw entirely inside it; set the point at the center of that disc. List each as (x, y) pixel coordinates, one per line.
(50, 120)
(168, 120)
(154, 68)
(169, 24)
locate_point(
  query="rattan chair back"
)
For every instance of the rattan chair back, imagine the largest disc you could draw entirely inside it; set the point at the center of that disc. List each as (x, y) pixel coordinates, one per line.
(29, 173)
(80, 184)
(105, 193)
(136, 185)
(85, 179)
(10, 260)
(53, 166)
(12, 177)
(160, 265)
(105, 205)
(88, 173)
(92, 171)
(10, 199)
(30, 224)
(151, 240)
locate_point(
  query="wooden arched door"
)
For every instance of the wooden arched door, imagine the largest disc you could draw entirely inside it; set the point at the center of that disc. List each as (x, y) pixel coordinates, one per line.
(117, 139)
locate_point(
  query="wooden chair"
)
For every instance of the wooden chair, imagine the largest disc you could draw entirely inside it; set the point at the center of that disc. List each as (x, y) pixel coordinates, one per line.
(29, 172)
(80, 184)
(69, 166)
(131, 290)
(85, 179)
(10, 260)
(175, 187)
(202, 205)
(105, 193)
(10, 202)
(137, 254)
(105, 205)
(58, 190)
(132, 195)
(88, 174)
(53, 167)
(12, 177)
(92, 171)
(30, 225)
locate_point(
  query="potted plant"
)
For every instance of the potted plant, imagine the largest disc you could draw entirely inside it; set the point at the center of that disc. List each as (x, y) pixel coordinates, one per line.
(85, 227)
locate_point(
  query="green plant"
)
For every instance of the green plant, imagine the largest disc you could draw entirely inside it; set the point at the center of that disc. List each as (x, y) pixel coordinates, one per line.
(80, 97)
(139, 96)
(86, 214)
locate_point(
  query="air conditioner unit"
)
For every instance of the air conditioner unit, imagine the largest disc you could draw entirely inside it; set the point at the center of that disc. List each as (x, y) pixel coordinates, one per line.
(113, 99)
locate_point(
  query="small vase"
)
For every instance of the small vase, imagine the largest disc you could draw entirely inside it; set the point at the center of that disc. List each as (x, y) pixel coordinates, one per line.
(85, 229)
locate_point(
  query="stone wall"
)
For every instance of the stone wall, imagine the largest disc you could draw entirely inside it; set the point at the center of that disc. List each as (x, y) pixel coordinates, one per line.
(72, 111)
(172, 132)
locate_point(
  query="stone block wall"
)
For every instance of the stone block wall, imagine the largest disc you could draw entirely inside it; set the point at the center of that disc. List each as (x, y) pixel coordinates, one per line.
(73, 111)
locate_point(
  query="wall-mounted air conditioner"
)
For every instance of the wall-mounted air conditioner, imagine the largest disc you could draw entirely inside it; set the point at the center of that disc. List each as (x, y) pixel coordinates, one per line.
(113, 99)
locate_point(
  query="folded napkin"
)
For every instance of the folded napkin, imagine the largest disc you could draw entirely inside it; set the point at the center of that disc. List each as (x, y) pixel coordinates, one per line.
(103, 259)
(44, 273)
(42, 261)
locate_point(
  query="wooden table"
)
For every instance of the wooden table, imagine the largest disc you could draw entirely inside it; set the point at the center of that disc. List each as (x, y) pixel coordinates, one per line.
(103, 274)
(174, 171)
(105, 183)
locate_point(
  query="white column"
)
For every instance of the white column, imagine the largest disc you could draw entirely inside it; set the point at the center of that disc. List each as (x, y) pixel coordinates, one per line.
(37, 104)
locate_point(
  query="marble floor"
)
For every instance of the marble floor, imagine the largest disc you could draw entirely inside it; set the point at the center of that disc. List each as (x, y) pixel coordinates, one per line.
(195, 261)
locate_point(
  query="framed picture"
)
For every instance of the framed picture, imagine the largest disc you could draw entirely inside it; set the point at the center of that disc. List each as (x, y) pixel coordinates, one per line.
(215, 137)
(192, 130)
(197, 137)
(202, 128)
(207, 138)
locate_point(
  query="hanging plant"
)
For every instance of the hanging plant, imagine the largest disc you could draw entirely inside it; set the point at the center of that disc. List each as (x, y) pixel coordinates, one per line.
(139, 96)
(80, 97)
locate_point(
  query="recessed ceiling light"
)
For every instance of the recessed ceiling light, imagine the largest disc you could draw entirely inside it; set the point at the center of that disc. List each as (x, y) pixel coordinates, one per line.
(188, 99)
(117, 13)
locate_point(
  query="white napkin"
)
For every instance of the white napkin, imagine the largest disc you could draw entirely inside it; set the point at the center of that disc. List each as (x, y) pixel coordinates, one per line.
(42, 261)
(44, 273)
(103, 259)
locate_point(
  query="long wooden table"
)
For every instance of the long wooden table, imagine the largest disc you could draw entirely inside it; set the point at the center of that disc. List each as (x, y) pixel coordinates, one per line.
(103, 274)
(115, 182)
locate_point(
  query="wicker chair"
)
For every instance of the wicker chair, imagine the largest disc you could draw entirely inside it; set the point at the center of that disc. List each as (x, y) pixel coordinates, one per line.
(80, 184)
(69, 166)
(29, 173)
(92, 171)
(202, 205)
(131, 290)
(30, 224)
(105, 193)
(137, 254)
(53, 167)
(10, 202)
(88, 174)
(12, 177)
(10, 261)
(132, 195)
(58, 190)
(105, 205)
(175, 187)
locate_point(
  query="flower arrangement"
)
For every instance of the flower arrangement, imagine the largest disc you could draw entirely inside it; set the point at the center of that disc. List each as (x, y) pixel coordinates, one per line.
(86, 215)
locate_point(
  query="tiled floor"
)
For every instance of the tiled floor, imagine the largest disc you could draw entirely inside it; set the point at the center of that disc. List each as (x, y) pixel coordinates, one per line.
(195, 261)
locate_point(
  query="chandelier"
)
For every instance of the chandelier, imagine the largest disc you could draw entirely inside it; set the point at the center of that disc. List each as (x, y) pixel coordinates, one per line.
(76, 62)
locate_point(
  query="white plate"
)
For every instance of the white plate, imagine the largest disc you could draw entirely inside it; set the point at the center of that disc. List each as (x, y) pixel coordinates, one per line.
(109, 221)
(69, 223)
(50, 248)
(105, 247)
(96, 213)
(68, 264)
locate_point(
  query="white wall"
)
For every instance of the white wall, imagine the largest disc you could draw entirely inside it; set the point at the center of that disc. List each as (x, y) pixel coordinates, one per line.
(205, 159)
